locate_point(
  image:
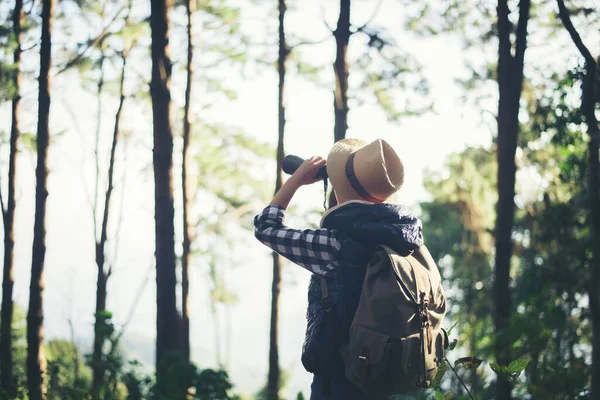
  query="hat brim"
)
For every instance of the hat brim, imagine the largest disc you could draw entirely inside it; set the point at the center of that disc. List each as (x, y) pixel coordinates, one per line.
(336, 168)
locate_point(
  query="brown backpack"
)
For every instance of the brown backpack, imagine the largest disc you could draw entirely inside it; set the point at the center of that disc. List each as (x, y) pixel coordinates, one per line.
(396, 337)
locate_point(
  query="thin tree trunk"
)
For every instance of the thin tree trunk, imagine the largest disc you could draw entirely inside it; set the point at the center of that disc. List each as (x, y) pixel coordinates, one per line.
(103, 274)
(340, 68)
(99, 88)
(510, 82)
(590, 97)
(187, 229)
(97, 370)
(35, 316)
(274, 376)
(6, 360)
(167, 320)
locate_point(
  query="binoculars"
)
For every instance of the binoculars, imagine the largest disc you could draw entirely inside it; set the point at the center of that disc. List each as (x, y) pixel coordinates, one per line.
(291, 163)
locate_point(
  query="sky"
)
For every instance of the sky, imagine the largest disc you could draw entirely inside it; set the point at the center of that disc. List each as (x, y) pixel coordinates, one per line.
(422, 142)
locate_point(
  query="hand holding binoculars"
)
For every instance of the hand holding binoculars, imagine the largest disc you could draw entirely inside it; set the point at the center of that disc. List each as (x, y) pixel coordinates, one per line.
(291, 163)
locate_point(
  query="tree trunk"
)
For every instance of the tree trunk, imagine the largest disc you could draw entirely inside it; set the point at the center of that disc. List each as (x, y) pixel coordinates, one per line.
(274, 376)
(340, 68)
(167, 320)
(187, 232)
(594, 286)
(35, 316)
(6, 367)
(590, 87)
(97, 368)
(103, 274)
(510, 82)
(97, 371)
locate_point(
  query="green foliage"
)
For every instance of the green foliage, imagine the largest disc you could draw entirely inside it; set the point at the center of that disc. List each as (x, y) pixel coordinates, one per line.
(449, 331)
(468, 362)
(437, 380)
(137, 384)
(554, 247)
(459, 221)
(7, 87)
(213, 385)
(182, 376)
(67, 376)
(444, 396)
(19, 353)
(550, 316)
(511, 371)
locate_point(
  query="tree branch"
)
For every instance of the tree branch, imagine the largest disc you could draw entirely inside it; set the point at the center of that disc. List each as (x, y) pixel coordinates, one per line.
(91, 43)
(309, 42)
(2, 205)
(521, 40)
(504, 45)
(565, 17)
(375, 12)
(33, 46)
(324, 20)
(31, 8)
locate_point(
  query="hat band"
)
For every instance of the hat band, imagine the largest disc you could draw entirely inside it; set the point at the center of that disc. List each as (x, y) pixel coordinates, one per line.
(354, 182)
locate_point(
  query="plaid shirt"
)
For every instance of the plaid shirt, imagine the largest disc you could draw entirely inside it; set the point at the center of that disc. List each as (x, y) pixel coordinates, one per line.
(311, 249)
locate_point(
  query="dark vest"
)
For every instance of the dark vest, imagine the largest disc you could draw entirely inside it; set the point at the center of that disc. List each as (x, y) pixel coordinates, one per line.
(360, 227)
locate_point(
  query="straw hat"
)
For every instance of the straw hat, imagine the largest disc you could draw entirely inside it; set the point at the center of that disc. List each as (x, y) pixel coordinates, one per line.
(361, 171)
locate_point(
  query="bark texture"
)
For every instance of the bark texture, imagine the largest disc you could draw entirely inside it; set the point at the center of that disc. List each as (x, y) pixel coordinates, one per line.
(167, 319)
(6, 359)
(36, 363)
(340, 68)
(187, 229)
(510, 83)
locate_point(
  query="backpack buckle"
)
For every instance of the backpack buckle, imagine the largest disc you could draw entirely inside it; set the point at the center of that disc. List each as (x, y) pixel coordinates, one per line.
(363, 362)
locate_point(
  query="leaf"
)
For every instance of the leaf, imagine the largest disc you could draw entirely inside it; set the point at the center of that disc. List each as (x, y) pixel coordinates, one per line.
(448, 396)
(439, 375)
(449, 331)
(512, 377)
(468, 362)
(452, 344)
(29, 141)
(439, 396)
(104, 315)
(518, 365)
(496, 368)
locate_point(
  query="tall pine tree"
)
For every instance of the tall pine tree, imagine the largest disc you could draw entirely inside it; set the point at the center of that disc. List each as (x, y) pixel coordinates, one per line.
(8, 215)
(510, 84)
(167, 319)
(35, 316)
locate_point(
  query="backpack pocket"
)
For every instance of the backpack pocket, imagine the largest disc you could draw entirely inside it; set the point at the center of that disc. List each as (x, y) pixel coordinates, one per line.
(366, 358)
(383, 366)
(410, 369)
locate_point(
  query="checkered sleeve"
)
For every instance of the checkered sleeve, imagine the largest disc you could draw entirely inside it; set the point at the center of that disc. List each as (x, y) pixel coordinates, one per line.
(311, 249)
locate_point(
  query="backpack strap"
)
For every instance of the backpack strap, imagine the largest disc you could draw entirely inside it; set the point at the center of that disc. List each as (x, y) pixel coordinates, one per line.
(325, 294)
(425, 330)
(328, 305)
